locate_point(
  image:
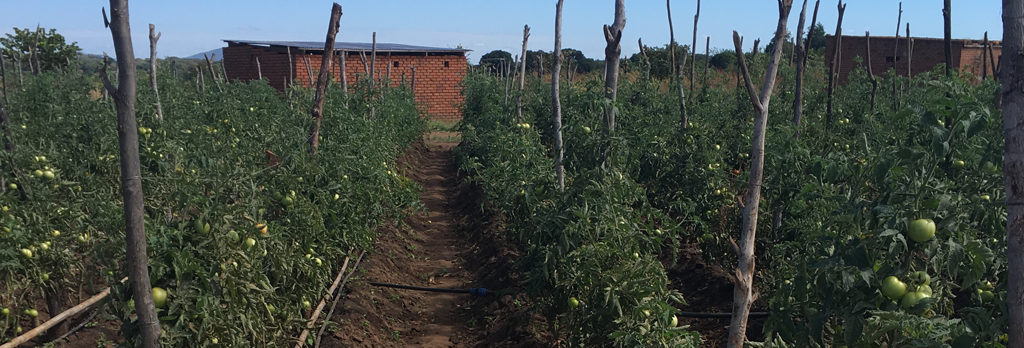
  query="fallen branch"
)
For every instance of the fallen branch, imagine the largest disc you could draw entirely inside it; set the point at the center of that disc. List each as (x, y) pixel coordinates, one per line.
(319, 307)
(334, 305)
(81, 307)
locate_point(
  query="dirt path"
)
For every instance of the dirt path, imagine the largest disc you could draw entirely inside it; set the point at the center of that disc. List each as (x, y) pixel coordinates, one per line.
(426, 251)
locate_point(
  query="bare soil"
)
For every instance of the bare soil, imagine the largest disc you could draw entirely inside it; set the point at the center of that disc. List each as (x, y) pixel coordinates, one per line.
(453, 245)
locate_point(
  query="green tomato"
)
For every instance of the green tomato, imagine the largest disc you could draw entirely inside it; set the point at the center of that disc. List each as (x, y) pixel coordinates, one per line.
(674, 322)
(922, 230)
(958, 164)
(306, 304)
(5, 311)
(37, 173)
(318, 262)
(925, 290)
(12, 186)
(986, 285)
(985, 198)
(989, 167)
(893, 288)
(718, 147)
(921, 277)
(573, 302)
(159, 297)
(287, 201)
(249, 242)
(49, 175)
(586, 129)
(27, 253)
(987, 296)
(45, 277)
(911, 299)
(32, 312)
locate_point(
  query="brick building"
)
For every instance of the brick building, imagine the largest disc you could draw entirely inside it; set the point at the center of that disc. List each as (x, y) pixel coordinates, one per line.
(925, 55)
(438, 70)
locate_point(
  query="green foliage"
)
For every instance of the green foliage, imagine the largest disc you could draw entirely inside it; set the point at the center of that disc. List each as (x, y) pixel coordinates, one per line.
(53, 51)
(207, 162)
(495, 59)
(843, 195)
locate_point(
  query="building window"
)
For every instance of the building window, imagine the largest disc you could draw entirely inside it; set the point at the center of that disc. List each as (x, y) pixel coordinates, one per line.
(446, 64)
(396, 64)
(890, 59)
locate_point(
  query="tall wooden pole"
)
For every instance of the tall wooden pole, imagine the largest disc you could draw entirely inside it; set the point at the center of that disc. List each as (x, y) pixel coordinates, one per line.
(910, 52)
(1012, 75)
(153, 38)
(799, 52)
(137, 261)
(522, 76)
(947, 35)
(871, 72)
(833, 71)
(743, 295)
(373, 59)
(693, 47)
(3, 72)
(612, 51)
(707, 61)
(323, 79)
(984, 57)
(798, 95)
(556, 70)
(676, 71)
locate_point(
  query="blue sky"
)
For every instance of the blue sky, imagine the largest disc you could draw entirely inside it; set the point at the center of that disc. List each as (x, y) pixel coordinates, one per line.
(191, 26)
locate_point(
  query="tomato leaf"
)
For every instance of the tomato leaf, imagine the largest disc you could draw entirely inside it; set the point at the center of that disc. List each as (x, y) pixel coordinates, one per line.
(853, 328)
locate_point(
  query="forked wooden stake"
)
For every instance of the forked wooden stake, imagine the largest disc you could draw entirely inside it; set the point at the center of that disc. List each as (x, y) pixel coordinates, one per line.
(322, 79)
(556, 70)
(153, 38)
(743, 295)
(871, 73)
(137, 261)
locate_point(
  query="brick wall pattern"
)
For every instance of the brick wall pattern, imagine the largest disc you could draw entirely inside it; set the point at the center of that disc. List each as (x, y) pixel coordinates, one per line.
(438, 75)
(927, 53)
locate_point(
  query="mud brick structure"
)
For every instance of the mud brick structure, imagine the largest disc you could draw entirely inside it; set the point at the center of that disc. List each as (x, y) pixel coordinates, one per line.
(439, 71)
(926, 55)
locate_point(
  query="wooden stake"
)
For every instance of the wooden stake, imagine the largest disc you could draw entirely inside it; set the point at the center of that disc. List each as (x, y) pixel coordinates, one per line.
(343, 71)
(992, 59)
(291, 67)
(947, 36)
(674, 70)
(322, 80)
(707, 61)
(1012, 97)
(213, 73)
(612, 51)
(802, 50)
(522, 76)
(153, 38)
(373, 58)
(895, 54)
(910, 52)
(33, 63)
(743, 295)
(647, 59)
(834, 67)
(413, 83)
(3, 72)
(556, 102)
(137, 261)
(259, 69)
(309, 69)
(693, 48)
(984, 58)
(871, 73)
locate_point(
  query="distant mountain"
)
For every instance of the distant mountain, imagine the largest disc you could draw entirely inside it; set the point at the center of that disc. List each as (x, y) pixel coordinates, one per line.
(219, 54)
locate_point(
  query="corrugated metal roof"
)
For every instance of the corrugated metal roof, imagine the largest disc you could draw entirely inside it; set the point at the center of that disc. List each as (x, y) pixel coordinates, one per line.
(349, 46)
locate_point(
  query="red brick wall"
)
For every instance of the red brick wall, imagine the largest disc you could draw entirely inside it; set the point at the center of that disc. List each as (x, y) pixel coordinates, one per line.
(971, 56)
(437, 86)
(927, 53)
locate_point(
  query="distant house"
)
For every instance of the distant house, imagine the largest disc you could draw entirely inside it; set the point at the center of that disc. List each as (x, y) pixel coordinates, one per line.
(438, 70)
(926, 53)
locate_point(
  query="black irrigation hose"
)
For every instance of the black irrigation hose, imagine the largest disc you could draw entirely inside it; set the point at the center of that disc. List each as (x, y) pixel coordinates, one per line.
(484, 292)
(473, 291)
(720, 315)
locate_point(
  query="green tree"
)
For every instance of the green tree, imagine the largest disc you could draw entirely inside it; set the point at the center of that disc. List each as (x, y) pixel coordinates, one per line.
(661, 59)
(494, 59)
(818, 40)
(53, 51)
(724, 59)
